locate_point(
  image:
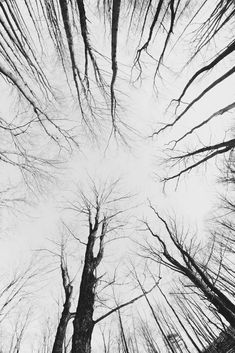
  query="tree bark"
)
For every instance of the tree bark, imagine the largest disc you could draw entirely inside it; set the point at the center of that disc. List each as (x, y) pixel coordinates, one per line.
(66, 315)
(83, 323)
(61, 330)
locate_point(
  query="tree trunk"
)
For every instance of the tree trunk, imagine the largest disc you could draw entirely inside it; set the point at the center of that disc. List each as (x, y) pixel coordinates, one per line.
(61, 331)
(82, 337)
(83, 322)
(66, 315)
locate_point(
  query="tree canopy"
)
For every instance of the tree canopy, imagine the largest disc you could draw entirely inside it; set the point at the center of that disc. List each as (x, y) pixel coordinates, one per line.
(33, 35)
(68, 69)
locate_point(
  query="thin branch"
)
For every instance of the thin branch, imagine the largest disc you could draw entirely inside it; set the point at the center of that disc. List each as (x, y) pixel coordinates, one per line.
(124, 304)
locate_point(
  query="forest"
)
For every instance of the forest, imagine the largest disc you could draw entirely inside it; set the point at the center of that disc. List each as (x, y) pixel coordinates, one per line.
(117, 176)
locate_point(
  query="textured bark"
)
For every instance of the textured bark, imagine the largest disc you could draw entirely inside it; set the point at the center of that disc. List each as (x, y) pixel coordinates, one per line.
(83, 322)
(61, 329)
(66, 315)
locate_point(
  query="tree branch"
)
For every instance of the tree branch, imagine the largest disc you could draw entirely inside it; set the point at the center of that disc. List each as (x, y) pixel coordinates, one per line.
(123, 305)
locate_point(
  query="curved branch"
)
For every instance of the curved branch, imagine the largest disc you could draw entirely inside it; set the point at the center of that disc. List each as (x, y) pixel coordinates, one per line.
(206, 90)
(217, 149)
(208, 67)
(219, 112)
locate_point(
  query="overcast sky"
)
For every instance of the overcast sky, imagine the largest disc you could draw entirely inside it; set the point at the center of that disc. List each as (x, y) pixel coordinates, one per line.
(137, 164)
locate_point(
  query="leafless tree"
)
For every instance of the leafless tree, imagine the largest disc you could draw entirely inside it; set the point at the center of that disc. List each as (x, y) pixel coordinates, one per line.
(101, 215)
(183, 260)
(66, 312)
(17, 295)
(67, 24)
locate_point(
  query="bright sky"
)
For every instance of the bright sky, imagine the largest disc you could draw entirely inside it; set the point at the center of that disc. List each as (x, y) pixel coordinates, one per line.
(137, 165)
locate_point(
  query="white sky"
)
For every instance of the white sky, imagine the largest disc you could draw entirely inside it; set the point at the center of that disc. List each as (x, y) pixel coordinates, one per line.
(137, 166)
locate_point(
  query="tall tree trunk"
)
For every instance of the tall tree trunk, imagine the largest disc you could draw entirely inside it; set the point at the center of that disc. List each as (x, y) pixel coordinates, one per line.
(66, 315)
(61, 331)
(83, 322)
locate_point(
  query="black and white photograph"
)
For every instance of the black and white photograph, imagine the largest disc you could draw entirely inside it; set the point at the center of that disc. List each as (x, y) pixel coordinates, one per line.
(117, 187)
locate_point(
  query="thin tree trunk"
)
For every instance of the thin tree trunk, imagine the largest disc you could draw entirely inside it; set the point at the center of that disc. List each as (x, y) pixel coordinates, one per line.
(66, 315)
(61, 330)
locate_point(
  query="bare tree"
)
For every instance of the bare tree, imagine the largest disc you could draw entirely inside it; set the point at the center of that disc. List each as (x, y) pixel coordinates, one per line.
(102, 214)
(67, 24)
(66, 312)
(101, 219)
(17, 294)
(185, 263)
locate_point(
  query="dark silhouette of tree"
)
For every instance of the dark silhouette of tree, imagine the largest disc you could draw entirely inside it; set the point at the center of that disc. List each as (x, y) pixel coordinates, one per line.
(102, 209)
(160, 26)
(17, 291)
(66, 314)
(91, 77)
(182, 259)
